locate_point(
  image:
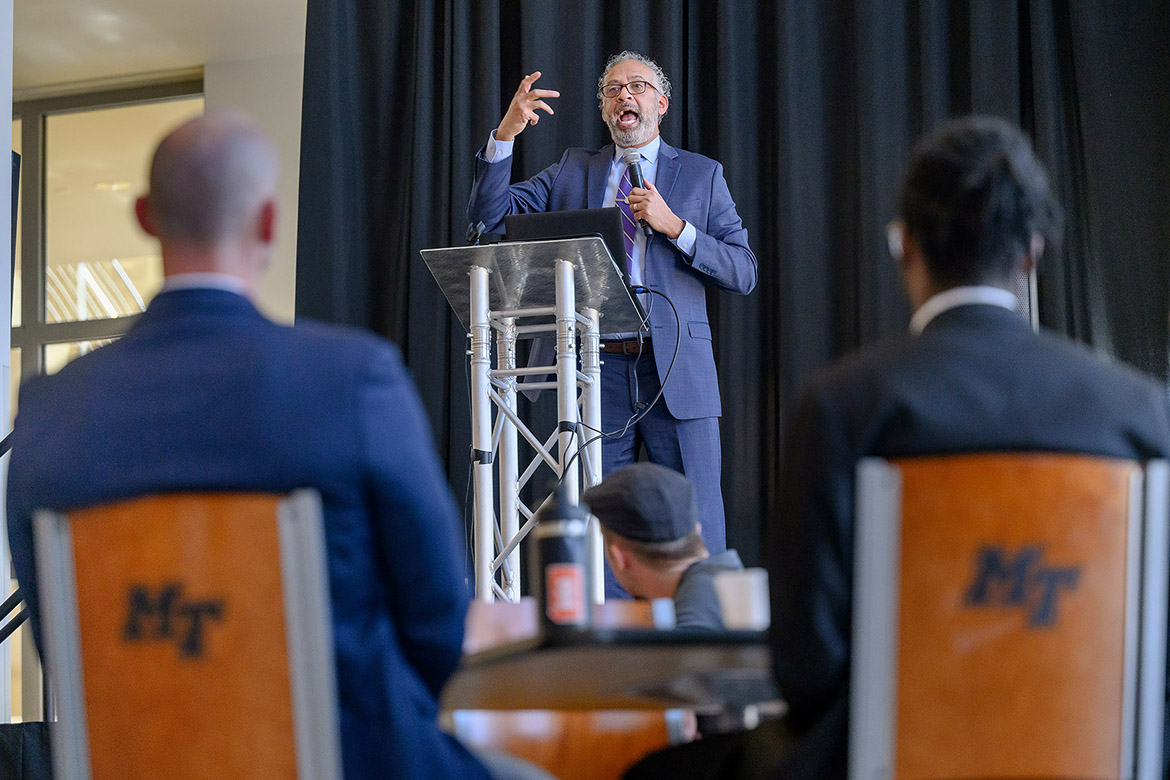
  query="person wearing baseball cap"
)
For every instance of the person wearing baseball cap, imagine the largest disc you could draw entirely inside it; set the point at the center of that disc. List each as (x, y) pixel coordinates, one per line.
(650, 524)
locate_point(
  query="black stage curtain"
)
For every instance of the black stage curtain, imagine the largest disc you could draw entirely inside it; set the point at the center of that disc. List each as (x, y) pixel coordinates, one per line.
(812, 107)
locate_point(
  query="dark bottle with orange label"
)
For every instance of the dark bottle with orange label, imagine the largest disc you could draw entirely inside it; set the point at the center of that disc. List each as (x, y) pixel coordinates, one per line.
(560, 555)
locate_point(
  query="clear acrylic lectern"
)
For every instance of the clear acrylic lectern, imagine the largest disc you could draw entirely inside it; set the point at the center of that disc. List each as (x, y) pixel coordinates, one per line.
(567, 287)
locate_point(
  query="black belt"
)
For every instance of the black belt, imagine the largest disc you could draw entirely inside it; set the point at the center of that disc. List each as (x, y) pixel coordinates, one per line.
(627, 347)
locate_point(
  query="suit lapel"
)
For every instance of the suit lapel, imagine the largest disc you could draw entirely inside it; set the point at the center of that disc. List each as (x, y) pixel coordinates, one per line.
(598, 175)
(667, 173)
(664, 179)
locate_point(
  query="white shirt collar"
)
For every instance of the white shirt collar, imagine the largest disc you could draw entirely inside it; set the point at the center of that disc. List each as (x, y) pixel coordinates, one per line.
(649, 152)
(205, 281)
(961, 296)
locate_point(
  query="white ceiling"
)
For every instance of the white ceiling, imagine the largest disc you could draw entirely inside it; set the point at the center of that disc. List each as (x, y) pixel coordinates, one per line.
(64, 42)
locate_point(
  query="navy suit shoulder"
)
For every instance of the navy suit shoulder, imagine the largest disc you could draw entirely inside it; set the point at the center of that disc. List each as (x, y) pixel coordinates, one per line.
(701, 164)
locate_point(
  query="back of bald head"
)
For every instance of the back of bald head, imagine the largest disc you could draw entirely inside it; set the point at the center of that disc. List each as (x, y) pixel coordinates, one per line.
(209, 178)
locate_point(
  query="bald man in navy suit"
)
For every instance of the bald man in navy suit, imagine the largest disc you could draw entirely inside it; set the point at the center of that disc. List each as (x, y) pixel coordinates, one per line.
(204, 393)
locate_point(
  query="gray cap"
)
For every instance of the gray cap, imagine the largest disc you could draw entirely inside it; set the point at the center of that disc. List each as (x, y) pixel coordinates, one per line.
(645, 502)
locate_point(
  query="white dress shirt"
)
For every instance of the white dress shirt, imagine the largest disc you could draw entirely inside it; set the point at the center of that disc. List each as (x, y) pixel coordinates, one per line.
(961, 296)
(204, 281)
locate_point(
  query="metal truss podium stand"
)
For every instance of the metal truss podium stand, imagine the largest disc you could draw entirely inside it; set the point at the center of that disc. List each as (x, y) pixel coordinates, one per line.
(524, 290)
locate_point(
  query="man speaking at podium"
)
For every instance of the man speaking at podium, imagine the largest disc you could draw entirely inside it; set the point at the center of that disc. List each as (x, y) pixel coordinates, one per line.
(681, 233)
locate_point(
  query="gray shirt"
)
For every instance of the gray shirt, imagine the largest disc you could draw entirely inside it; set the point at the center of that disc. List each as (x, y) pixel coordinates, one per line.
(696, 605)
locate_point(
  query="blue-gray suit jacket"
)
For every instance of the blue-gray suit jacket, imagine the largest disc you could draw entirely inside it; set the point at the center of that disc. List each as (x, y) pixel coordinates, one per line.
(204, 393)
(694, 188)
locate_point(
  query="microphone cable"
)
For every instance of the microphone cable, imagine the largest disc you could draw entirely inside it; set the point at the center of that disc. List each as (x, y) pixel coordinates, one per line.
(638, 415)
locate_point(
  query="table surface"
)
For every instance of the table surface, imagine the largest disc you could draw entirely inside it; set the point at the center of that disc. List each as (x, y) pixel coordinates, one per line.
(618, 663)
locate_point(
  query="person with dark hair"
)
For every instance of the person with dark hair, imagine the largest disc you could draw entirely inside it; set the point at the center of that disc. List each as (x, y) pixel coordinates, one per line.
(690, 237)
(970, 376)
(650, 526)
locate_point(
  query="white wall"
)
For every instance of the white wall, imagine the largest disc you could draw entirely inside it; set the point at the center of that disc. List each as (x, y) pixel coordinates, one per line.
(270, 90)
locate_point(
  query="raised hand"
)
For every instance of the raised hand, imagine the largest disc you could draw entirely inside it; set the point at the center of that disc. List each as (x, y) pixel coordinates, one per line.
(522, 110)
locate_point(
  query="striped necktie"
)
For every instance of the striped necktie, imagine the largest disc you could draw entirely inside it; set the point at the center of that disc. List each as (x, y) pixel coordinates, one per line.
(629, 224)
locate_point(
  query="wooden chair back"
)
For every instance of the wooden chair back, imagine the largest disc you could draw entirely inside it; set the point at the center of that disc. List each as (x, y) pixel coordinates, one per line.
(188, 636)
(999, 602)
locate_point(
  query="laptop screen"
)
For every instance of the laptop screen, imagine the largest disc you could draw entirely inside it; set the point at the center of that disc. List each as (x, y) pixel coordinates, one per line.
(580, 223)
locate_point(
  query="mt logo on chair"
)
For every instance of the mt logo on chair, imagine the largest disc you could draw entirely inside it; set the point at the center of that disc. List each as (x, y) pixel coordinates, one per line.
(1022, 579)
(166, 615)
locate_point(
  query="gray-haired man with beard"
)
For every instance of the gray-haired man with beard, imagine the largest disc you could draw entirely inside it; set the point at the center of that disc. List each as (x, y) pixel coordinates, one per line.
(682, 233)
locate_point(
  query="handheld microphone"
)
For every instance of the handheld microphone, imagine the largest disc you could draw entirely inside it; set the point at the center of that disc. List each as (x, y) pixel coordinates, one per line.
(475, 232)
(633, 159)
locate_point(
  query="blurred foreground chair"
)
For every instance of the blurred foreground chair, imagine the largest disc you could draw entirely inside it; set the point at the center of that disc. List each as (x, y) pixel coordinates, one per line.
(570, 744)
(1009, 618)
(188, 636)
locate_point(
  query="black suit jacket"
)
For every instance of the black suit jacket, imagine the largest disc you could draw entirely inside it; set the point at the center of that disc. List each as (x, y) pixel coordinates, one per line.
(977, 379)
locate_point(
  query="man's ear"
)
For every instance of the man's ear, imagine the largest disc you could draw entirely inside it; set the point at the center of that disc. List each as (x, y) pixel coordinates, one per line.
(145, 219)
(663, 104)
(619, 557)
(916, 278)
(266, 222)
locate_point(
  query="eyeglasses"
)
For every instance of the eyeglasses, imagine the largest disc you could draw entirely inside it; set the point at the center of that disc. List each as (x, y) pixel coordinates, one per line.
(634, 88)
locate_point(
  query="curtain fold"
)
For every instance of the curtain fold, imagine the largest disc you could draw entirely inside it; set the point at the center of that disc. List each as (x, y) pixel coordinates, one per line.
(811, 107)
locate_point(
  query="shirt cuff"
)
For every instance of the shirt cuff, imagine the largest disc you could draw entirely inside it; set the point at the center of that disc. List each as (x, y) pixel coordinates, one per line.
(497, 150)
(686, 239)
